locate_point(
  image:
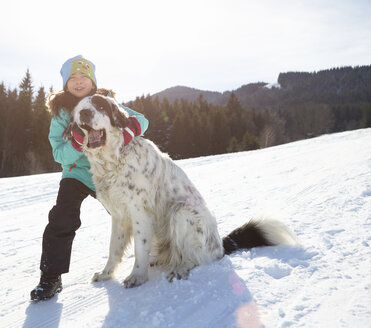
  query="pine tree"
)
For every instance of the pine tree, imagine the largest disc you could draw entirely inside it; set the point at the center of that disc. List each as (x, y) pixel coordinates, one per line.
(366, 116)
(4, 128)
(178, 147)
(236, 117)
(221, 131)
(249, 142)
(9, 162)
(233, 145)
(40, 129)
(25, 100)
(23, 137)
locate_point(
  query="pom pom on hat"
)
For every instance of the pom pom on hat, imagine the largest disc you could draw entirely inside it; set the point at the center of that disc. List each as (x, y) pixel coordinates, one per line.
(78, 64)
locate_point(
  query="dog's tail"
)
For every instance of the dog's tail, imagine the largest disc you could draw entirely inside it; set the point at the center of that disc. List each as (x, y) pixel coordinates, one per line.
(258, 232)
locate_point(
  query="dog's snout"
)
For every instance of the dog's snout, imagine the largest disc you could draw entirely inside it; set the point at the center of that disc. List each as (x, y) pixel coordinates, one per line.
(86, 115)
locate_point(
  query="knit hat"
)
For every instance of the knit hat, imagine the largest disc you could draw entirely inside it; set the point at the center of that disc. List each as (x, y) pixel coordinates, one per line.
(78, 64)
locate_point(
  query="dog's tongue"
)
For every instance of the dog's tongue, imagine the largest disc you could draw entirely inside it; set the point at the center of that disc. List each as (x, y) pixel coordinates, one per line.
(95, 136)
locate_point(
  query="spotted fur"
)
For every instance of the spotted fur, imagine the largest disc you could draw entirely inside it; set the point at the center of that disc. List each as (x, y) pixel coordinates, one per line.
(150, 199)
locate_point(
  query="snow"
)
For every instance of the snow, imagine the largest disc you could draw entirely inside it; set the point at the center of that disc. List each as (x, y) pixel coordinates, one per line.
(273, 85)
(320, 188)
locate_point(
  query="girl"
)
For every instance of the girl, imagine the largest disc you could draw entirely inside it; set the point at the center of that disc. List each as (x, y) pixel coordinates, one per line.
(79, 81)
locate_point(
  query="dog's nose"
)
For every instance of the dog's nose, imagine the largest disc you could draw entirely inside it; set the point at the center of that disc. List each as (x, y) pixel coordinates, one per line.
(86, 115)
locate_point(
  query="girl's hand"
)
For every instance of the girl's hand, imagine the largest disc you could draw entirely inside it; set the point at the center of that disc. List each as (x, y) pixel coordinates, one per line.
(132, 130)
(77, 137)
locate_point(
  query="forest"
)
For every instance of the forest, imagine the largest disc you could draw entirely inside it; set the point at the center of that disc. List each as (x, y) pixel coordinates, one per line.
(304, 105)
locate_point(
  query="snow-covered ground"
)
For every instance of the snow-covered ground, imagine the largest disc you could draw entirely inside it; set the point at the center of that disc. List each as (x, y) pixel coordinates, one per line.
(320, 188)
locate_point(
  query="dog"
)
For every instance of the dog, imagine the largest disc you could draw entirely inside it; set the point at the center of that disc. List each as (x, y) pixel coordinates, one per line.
(152, 200)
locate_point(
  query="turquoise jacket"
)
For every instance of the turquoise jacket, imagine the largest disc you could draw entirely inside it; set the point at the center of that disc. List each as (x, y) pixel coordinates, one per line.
(74, 163)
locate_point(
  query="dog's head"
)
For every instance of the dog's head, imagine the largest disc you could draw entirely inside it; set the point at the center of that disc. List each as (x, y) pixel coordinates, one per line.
(98, 116)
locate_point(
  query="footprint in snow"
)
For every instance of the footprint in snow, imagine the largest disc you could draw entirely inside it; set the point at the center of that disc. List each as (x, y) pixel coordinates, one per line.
(278, 271)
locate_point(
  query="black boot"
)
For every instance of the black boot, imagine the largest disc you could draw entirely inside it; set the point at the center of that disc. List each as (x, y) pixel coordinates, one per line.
(47, 288)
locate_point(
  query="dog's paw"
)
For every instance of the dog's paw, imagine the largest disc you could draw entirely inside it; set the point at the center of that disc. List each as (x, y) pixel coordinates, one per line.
(101, 276)
(156, 263)
(134, 280)
(181, 273)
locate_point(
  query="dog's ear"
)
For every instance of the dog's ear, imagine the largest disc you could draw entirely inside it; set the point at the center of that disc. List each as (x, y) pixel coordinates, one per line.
(119, 116)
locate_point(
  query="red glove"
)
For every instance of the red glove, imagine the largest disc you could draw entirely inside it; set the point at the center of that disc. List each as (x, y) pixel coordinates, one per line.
(132, 130)
(77, 137)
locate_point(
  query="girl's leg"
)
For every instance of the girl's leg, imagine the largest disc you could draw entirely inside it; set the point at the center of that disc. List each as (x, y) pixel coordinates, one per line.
(64, 220)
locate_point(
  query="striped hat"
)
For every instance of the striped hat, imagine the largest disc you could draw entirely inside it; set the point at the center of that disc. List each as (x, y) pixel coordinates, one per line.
(78, 64)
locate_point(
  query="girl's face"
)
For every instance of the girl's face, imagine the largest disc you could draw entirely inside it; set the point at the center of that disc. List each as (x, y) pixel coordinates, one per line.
(79, 85)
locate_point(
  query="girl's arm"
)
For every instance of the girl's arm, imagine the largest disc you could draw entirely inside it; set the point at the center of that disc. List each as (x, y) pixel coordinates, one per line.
(138, 126)
(143, 122)
(63, 151)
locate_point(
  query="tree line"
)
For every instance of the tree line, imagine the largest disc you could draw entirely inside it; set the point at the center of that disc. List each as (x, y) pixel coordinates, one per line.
(24, 128)
(181, 128)
(190, 129)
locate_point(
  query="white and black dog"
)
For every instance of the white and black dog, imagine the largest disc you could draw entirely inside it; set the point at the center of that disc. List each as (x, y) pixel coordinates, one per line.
(151, 199)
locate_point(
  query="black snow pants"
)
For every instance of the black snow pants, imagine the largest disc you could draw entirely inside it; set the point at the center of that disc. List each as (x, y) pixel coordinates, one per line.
(64, 220)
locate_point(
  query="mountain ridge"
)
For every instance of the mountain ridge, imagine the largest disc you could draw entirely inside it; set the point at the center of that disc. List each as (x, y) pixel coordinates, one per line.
(334, 86)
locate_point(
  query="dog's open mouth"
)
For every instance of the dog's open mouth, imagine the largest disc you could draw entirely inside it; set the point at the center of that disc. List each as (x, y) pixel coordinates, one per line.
(96, 138)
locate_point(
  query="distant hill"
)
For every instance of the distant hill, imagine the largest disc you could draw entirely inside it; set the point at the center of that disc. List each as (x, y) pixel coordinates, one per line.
(332, 86)
(190, 94)
(212, 97)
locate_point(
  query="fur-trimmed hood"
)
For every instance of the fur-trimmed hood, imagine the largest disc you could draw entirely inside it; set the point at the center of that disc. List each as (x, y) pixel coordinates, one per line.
(66, 100)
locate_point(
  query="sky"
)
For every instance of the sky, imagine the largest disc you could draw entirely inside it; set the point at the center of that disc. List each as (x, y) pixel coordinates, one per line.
(142, 47)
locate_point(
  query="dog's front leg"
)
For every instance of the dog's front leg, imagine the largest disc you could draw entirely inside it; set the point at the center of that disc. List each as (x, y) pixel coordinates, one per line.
(142, 230)
(120, 238)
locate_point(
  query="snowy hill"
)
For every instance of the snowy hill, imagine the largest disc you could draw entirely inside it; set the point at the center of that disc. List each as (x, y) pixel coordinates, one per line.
(321, 188)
